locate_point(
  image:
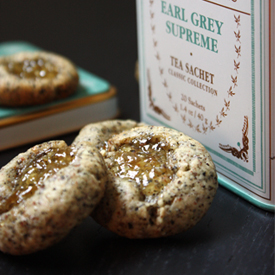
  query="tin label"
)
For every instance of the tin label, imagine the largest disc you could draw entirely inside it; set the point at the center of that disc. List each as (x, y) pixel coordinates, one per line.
(203, 72)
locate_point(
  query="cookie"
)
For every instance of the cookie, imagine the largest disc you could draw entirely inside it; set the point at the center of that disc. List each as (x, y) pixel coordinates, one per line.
(163, 183)
(45, 192)
(32, 78)
(99, 133)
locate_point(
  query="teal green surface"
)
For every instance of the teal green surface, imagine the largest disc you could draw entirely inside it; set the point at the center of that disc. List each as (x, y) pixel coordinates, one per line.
(89, 84)
(251, 199)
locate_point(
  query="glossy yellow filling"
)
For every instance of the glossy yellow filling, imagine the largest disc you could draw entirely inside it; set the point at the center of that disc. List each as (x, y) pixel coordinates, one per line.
(146, 162)
(32, 177)
(32, 68)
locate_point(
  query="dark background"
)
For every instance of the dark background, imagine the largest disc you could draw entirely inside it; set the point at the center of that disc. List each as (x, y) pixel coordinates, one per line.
(99, 36)
(234, 237)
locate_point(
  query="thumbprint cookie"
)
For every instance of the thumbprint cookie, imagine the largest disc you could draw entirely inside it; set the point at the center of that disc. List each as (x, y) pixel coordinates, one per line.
(162, 183)
(45, 192)
(33, 78)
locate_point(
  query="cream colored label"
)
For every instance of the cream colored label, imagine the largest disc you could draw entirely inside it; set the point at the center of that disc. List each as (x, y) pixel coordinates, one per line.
(202, 69)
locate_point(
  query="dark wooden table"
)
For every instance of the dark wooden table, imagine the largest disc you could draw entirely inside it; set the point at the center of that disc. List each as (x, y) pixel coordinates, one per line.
(234, 237)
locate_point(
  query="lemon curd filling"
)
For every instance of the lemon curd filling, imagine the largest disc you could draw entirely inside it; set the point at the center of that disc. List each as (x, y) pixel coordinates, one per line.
(32, 68)
(32, 176)
(146, 162)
